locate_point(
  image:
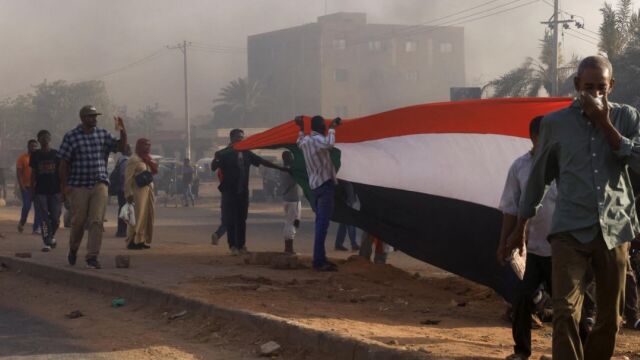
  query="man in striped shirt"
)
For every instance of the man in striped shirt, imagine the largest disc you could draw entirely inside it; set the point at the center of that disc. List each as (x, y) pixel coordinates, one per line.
(316, 148)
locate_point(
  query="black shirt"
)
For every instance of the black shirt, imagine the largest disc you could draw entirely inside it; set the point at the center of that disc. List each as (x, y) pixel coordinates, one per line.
(45, 167)
(235, 167)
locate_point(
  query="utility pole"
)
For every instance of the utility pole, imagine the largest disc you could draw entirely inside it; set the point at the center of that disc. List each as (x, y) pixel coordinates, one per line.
(183, 47)
(554, 61)
(554, 23)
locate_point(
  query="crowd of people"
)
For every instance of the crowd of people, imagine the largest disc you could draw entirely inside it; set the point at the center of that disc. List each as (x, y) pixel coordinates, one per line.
(569, 201)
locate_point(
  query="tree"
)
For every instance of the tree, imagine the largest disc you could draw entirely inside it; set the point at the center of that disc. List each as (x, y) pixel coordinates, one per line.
(241, 103)
(56, 104)
(620, 41)
(533, 76)
(148, 121)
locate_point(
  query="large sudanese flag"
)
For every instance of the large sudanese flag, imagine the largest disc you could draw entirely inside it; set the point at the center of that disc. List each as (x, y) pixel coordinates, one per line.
(428, 178)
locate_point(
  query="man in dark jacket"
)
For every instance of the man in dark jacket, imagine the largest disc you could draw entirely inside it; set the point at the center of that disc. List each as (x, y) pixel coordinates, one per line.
(234, 188)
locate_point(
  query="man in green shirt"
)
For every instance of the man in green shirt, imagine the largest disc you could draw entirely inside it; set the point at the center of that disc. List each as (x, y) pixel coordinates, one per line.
(587, 149)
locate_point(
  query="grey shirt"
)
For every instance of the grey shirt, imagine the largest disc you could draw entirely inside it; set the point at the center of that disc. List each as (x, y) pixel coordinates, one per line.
(289, 188)
(594, 190)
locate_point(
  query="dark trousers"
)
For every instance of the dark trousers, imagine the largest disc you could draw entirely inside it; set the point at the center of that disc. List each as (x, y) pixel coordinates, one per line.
(631, 314)
(220, 231)
(571, 261)
(122, 226)
(323, 204)
(235, 208)
(48, 206)
(26, 207)
(537, 271)
(343, 230)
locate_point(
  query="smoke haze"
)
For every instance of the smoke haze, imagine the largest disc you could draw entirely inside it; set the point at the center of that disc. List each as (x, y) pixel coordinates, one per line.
(86, 39)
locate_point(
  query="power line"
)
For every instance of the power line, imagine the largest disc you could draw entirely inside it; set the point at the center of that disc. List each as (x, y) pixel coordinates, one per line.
(585, 35)
(428, 22)
(496, 13)
(218, 51)
(221, 47)
(490, 9)
(423, 28)
(583, 27)
(142, 61)
(581, 38)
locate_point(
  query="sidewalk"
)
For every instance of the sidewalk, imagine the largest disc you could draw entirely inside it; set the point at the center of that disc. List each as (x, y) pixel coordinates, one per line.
(378, 306)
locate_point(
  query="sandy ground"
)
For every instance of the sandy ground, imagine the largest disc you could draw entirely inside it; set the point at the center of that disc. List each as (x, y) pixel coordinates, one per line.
(407, 304)
(133, 331)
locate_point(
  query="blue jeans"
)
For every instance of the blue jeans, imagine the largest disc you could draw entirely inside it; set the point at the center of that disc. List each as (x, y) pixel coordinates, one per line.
(343, 230)
(188, 195)
(323, 201)
(26, 207)
(48, 206)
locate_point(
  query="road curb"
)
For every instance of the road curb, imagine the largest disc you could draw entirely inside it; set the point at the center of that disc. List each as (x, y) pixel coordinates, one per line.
(282, 330)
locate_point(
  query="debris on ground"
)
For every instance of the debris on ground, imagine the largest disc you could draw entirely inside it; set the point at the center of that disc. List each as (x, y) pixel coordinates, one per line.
(118, 302)
(178, 315)
(269, 349)
(74, 314)
(24, 255)
(430, 322)
(122, 261)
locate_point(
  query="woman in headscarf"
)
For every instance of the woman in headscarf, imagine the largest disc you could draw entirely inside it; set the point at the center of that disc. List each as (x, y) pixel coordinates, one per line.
(142, 195)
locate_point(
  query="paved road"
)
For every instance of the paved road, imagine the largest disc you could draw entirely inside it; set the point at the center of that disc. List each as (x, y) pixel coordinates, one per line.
(32, 327)
(24, 334)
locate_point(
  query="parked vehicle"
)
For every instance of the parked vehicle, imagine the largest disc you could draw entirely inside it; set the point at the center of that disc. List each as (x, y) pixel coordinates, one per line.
(203, 170)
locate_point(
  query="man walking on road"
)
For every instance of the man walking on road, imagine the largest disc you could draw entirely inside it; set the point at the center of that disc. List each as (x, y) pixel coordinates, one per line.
(234, 188)
(587, 148)
(538, 265)
(292, 204)
(45, 182)
(23, 185)
(187, 183)
(83, 173)
(316, 148)
(118, 176)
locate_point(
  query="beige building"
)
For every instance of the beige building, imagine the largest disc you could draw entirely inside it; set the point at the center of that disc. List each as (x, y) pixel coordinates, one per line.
(343, 66)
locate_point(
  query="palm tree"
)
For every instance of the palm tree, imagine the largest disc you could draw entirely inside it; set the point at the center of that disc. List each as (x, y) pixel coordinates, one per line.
(239, 104)
(620, 40)
(533, 76)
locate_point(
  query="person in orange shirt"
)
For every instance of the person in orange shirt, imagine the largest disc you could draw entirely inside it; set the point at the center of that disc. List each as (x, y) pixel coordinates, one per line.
(23, 184)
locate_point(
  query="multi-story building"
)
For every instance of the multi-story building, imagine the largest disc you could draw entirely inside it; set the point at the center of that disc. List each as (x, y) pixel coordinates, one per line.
(343, 66)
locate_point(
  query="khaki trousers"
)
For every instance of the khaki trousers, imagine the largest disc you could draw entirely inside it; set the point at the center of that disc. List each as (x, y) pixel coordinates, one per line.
(570, 262)
(87, 208)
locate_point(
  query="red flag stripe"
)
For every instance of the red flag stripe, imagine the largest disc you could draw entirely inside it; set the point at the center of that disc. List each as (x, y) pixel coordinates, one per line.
(491, 116)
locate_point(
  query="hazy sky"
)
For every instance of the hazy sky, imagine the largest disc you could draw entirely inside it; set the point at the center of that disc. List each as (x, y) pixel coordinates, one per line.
(83, 39)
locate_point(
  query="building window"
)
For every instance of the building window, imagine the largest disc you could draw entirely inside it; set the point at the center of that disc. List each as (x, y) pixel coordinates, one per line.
(410, 46)
(412, 76)
(446, 48)
(375, 45)
(341, 75)
(339, 44)
(341, 111)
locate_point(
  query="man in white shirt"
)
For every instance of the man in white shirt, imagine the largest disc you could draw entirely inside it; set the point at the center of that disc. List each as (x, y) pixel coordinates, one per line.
(316, 148)
(538, 264)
